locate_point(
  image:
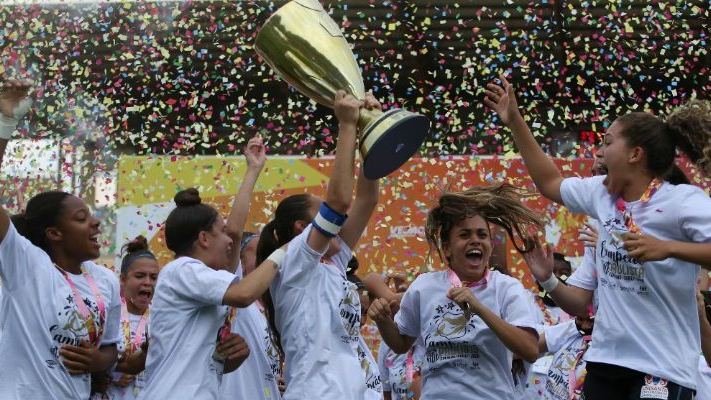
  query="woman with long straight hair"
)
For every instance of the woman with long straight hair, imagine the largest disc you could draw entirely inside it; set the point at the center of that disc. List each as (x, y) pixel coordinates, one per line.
(314, 310)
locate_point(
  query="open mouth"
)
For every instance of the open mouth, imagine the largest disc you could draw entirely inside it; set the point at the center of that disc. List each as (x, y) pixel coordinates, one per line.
(475, 255)
(145, 295)
(94, 239)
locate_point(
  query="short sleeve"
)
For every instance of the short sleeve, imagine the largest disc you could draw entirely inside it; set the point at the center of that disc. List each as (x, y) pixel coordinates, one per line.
(695, 216)
(198, 282)
(517, 308)
(20, 260)
(112, 333)
(585, 276)
(383, 366)
(579, 194)
(407, 318)
(299, 260)
(343, 256)
(556, 335)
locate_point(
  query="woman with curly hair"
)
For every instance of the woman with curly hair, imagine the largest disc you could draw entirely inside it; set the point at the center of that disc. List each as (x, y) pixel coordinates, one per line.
(653, 237)
(471, 320)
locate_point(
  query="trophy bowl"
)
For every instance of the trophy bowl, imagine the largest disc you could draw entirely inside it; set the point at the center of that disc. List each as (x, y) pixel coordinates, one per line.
(306, 48)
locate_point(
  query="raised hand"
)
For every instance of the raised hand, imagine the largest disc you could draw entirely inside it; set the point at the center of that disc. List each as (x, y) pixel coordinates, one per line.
(12, 94)
(539, 260)
(502, 99)
(371, 102)
(347, 108)
(255, 153)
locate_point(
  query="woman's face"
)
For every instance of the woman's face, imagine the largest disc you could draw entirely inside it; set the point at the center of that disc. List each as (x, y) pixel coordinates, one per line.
(77, 230)
(615, 154)
(140, 281)
(468, 248)
(219, 245)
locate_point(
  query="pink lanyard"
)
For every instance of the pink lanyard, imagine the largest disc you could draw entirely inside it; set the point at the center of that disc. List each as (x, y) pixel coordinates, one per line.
(95, 329)
(575, 385)
(410, 366)
(227, 326)
(135, 344)
(653, 187)
(456, 282)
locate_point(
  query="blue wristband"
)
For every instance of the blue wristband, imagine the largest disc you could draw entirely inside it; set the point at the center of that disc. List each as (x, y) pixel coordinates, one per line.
(328, 221)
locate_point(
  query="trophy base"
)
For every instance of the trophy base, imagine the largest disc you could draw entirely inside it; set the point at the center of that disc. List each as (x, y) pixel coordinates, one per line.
(389, 141)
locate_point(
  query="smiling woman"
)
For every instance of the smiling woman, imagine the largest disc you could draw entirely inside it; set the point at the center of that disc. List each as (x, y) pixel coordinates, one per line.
(74, 322)
(467, 316)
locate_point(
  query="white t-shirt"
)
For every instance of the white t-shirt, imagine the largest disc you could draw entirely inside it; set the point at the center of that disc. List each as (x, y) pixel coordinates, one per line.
(318, 317)
(636, 298)
(464, 356)
(130, 391)
(373, 380)
(185, 319)
(2, 313)
(257, 377)
(40, 317)
(703, 383)
(393, 369)
(566, 344)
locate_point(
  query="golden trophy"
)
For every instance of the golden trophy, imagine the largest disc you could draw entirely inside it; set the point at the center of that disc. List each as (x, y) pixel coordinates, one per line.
(307, 49)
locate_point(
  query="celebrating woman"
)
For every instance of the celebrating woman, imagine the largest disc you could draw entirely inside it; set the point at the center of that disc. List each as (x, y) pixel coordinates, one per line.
(471, 320)
(653, 236)
(61, 311)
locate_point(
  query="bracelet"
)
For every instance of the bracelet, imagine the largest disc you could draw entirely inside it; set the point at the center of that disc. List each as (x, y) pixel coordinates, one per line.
(550, 284)
(329, 221)
(276, 257)
(7, 126)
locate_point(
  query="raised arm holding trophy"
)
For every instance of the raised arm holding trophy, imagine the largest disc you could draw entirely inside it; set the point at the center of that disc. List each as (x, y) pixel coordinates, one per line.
(307, 49)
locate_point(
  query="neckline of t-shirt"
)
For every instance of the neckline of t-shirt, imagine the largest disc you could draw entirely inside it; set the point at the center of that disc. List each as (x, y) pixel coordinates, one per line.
(663, 186)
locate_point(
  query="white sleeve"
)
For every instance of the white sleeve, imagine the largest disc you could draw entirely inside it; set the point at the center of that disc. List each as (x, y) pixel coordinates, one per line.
(299, 261)
(344, 255)
(112, 333)
(407, 318)
(20, 261)
(585, 276)
(383, 366)
(579, 194)
(198, 282)
(517, 308)
(556, 335)
(695, 216)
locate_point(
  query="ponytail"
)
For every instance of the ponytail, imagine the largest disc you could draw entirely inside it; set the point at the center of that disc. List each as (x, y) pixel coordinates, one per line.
(690, 126)
(275, 234)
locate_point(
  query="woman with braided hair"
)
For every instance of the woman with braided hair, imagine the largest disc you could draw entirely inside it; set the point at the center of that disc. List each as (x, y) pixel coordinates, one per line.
(470, 319)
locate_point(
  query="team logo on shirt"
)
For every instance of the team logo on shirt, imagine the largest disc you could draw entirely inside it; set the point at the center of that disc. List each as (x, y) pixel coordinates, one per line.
(654, 388)
(372, 375)
(350, 311)
(452, 322)
(272, 356)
